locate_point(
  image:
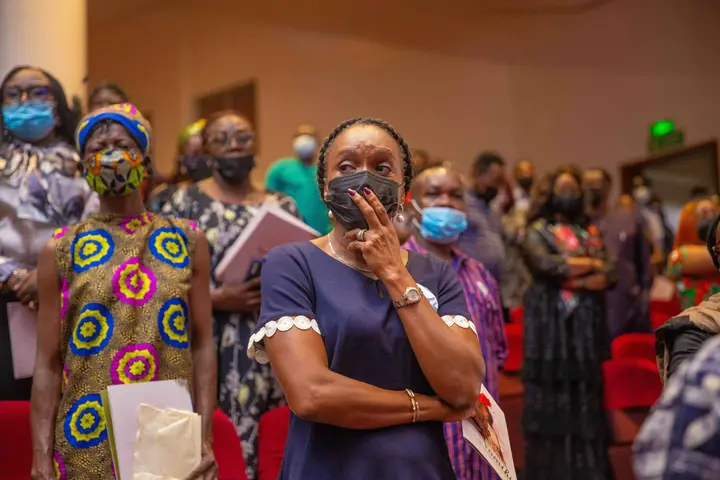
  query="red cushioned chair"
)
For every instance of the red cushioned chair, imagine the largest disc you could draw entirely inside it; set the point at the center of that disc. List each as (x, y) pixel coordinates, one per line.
(514, 336)
(662, 311)
(631, 387)
(272, 435)
(517, 315)
(15, 441)
(634, 345)
(227, 448)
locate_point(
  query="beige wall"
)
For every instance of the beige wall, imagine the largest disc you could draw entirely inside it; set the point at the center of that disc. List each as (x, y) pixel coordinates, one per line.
(533, 105)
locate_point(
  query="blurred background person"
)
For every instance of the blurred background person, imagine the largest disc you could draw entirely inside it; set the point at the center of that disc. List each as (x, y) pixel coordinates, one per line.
(296, 177)
(690, 264)
(483, 239)
(439, 218)
(623, 231)
(524, 176)
(41, 189)
(106, 94)
(565, 339)
(191, 166)
(222, 206)
(650, 205)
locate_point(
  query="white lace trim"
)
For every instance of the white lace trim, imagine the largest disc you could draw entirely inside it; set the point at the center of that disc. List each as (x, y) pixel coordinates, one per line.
(256, 346)
(460, 321)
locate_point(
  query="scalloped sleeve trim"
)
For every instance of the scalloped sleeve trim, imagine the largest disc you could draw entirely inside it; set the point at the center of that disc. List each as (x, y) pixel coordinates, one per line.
(460, 321)
(256, 345)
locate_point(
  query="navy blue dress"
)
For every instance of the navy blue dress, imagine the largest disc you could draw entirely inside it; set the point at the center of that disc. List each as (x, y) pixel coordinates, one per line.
(365, 340)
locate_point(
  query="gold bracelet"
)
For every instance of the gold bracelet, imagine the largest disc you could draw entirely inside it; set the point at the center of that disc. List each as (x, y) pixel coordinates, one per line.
(413, 402)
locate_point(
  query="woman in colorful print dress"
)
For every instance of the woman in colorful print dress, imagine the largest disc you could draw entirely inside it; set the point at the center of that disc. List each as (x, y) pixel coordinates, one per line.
(222, 206)
(565, 339)
(40, 190)
(689, 263)
(123, 299)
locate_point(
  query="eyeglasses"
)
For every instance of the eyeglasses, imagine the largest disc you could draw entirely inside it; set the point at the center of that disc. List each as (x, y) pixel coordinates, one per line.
(224, 140)
(33, 93)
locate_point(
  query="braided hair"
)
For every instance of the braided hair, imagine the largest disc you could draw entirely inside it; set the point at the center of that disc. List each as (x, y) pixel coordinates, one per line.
(405, 150)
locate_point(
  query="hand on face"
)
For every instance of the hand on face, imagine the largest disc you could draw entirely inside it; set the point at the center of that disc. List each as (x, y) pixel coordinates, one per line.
(379, 245)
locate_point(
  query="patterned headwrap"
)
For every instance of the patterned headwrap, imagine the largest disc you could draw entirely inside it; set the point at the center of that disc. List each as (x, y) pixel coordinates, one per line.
(126, 114)
(191, 130)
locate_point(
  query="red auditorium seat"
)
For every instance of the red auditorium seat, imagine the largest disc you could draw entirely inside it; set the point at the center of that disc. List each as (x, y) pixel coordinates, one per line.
(634, 345)
(514, 336)
(516, 315)
(15, 441)
(16, 449)
(662, 311)
(272, 435)
(227, 448)
(631, 387)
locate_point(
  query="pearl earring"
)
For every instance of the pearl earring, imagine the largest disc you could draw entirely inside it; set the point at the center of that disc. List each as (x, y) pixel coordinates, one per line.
(399, 215)
(330, 214)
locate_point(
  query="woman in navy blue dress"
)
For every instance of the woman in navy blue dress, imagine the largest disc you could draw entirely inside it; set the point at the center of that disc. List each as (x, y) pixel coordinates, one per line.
(371, 344)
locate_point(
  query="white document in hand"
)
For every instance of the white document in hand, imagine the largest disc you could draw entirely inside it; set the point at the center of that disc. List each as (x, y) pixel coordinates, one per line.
(488, 435)
(125, 401)
(22, 324)
(168, 444)
(271, 226)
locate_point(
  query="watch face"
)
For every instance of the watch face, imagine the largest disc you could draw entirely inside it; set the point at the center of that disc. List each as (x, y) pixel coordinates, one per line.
(413, 295)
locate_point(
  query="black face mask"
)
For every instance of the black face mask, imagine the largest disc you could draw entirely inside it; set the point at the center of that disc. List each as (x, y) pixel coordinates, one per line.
(342, 206)
(703, 228)
(196, 167)
(525, 183)
(569, 205)
(234, 170)
(595, 197)
(488, 195)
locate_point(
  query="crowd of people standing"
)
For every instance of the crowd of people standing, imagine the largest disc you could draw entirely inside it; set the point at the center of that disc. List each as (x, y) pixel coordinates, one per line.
(377, 335)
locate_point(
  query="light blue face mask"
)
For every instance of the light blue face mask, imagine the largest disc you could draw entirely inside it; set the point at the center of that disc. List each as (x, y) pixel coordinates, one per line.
(441, 224)
(29, 121)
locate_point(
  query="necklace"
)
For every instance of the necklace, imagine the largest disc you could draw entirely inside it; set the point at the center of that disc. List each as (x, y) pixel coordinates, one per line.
(365, 271)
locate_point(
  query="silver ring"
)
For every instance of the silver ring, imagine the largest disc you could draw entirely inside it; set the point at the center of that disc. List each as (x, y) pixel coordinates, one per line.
(361, 235)
(32, 305)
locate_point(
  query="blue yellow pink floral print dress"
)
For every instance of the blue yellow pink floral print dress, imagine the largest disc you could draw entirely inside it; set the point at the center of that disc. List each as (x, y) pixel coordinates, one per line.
(124, 319)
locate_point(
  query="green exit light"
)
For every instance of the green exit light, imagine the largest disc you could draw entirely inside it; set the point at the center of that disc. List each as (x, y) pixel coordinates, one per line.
(662, 128)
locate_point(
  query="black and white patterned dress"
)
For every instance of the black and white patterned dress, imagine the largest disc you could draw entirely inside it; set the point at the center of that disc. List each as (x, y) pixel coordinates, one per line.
(246, 388)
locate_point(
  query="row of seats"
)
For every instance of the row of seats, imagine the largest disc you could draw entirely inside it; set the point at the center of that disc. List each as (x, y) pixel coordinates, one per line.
(16, 448)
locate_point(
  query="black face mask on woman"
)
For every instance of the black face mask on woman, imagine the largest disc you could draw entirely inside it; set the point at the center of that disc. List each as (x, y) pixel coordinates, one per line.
(342, 205)
(234, 170)
(569, 205)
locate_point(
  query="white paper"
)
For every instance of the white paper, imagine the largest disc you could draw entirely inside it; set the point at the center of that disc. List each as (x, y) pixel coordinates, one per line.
(22, 324)
(168, 444)
(495, 448)
(125, 401)
(271, 226)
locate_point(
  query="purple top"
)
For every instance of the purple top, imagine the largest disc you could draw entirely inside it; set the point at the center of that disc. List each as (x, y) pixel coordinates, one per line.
(366, 341)
(483, 299)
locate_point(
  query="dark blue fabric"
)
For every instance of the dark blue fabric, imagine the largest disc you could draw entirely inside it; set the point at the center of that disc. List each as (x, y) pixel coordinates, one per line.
(365, 340)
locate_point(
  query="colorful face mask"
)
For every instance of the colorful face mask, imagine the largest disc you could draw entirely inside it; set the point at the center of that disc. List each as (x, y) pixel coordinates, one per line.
(115, 172)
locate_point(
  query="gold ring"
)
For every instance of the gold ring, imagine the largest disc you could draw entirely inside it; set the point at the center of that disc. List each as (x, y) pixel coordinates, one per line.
(32, 305)
(361, 235)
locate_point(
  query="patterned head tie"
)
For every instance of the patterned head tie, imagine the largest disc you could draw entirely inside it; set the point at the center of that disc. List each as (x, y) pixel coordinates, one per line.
(126, 114)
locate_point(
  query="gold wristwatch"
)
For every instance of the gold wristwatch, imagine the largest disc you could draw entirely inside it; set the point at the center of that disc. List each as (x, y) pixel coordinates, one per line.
(411, 296)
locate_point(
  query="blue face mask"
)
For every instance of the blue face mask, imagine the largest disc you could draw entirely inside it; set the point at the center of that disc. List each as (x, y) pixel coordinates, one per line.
(29, 121)
(441, 224)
